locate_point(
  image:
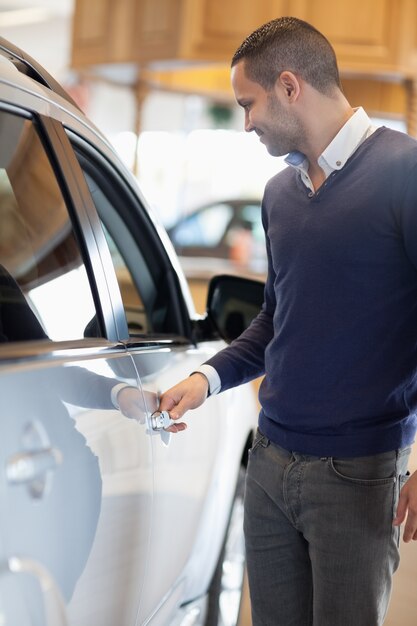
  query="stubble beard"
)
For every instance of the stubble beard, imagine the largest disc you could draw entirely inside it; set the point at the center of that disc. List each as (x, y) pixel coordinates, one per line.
(286, 135)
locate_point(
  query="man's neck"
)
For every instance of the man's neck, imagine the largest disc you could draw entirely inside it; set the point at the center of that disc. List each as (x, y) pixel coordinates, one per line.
(322, 135)
(316, 174)
(322, 117)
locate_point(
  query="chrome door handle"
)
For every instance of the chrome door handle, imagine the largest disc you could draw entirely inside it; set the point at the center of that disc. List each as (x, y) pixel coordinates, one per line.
(160, 420)
(54, 605)
(32, 468)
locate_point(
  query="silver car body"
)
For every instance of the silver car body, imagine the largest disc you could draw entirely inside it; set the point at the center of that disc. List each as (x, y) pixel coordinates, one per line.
(104, 520)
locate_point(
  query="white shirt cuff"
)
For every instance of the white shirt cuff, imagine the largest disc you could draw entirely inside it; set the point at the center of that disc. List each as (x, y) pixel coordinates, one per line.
(114, 392)
(213, 378)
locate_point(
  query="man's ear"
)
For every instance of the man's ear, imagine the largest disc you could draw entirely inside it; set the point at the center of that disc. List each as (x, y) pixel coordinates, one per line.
(288, 86)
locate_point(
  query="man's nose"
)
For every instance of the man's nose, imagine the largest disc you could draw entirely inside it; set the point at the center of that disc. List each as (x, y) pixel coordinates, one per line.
(248, 124)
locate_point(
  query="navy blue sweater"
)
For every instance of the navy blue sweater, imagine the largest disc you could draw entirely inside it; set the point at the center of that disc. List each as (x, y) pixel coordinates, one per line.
(337, 334)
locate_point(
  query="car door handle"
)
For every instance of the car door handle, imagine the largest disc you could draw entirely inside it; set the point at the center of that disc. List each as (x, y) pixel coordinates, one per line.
(54, 605)
(29, 466)
(160, 421)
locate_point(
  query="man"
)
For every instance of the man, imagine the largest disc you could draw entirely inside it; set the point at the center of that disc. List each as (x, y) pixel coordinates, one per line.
(336, 338)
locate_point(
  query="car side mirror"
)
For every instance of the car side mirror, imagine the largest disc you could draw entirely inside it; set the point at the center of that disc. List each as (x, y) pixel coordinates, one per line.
(232, 303)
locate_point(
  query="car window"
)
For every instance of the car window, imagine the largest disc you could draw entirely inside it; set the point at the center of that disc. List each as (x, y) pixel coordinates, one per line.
(44, 288)
(136, 313)
(151, 301)
(205, 228)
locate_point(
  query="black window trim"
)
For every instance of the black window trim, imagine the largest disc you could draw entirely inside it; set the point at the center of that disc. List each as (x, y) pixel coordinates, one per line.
(103, 282)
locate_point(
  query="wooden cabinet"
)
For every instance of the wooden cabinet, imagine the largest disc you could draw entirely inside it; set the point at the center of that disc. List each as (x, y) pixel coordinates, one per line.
(205, 30)
(148, 31)
(376, 39)
(368, 35)
(104, 32)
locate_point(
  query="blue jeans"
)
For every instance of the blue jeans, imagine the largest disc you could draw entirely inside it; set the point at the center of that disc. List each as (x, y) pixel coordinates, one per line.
(321, 548)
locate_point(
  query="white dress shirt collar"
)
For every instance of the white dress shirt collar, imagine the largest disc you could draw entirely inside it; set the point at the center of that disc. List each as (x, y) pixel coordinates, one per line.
(358, 128)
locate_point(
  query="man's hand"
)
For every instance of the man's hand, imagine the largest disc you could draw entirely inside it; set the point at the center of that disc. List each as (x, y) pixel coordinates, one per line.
(188, 394)
(407, 506)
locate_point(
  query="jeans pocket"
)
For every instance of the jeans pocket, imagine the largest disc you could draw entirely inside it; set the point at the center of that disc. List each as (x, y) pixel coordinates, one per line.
(259, 440)
(376, 471)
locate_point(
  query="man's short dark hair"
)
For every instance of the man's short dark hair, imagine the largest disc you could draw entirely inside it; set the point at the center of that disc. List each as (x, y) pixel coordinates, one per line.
(288, 43)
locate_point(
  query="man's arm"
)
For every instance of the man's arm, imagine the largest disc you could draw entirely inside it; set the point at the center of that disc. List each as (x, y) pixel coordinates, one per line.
(242, 361)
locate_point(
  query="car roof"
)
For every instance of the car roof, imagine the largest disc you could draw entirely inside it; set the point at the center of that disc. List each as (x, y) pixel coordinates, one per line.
(27, 66)
(21, 71)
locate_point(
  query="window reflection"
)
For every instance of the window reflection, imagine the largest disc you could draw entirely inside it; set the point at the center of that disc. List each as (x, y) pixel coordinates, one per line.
(37, 244)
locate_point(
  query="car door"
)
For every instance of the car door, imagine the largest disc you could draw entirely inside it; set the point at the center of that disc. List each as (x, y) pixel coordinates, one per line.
(194, 472)
(76, 481)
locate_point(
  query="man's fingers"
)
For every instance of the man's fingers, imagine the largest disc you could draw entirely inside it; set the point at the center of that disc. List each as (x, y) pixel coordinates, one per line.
(401, 510)
(188, 394)
(167, 403)
(182, 407)
(173, 406)
(409, 531)
(176, 428)
(175, 402)
(407, 509)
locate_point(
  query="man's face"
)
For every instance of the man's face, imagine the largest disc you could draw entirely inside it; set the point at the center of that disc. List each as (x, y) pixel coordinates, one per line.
(266, 113)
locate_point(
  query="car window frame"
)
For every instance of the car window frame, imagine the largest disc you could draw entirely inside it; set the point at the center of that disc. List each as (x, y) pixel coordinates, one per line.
(55, 138)
(48, 132)
(130, 209)
(99, 268)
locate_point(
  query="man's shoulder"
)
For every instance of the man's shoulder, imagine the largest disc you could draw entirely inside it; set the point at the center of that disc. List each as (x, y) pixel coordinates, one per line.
(284, 176)
(393, 141)
(395, 153)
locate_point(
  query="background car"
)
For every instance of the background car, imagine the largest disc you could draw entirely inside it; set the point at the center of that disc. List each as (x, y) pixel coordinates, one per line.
(106, 518)
(226, 236)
